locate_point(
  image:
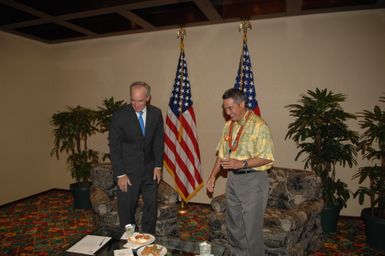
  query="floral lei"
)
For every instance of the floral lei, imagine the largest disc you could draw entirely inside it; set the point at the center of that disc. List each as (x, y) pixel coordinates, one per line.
(229, 138)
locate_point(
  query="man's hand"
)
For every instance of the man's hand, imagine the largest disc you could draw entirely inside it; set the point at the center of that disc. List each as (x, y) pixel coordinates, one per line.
(210, 184)
(157, 174)
(122, 183)
(211, 181)
(231, 164)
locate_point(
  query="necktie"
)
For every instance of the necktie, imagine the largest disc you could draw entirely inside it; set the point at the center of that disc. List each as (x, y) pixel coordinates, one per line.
(141, 122)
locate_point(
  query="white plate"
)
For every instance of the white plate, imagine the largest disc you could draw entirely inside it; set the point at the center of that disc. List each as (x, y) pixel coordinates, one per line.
(163, 252)
(123, 252)
(132, 239)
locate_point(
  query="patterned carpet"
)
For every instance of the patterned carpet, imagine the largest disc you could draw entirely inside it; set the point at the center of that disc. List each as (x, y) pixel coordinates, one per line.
(42, 225)
(349, 240)
(47, 223)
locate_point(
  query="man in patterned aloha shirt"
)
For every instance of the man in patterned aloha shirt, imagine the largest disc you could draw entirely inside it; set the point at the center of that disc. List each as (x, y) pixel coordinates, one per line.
(245, 150)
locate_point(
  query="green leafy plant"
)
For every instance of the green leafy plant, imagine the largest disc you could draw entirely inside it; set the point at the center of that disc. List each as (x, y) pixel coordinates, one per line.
(321, 133)
(72, 129)
(372, 146)
(104, 113)
(104, 116)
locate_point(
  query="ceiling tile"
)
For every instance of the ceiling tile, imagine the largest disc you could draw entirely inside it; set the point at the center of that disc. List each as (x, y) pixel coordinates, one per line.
(248, 8)
(10, 15)
(60, 7)
(50, 32)
(172, 14)
(106, 23)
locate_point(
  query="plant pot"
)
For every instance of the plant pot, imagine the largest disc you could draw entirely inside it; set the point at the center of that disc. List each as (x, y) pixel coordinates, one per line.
(374, 229)
(329, 218)
(81, 195)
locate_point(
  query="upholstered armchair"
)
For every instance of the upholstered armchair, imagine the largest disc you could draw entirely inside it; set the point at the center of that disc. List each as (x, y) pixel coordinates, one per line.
(292, 219)
(104, 202)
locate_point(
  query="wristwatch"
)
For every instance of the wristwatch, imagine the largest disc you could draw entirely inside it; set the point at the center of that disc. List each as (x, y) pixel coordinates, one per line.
(245, 164)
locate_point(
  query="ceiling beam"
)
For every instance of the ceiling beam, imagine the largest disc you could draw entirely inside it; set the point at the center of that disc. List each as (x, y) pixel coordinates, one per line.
(76, 28)
(135, 19)
(208, 9)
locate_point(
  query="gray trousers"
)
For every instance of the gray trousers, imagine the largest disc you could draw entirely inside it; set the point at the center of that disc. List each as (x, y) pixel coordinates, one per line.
(246, 196)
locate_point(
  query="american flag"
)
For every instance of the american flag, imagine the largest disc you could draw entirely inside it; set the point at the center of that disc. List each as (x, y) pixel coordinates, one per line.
(181, 154)
(245, 80)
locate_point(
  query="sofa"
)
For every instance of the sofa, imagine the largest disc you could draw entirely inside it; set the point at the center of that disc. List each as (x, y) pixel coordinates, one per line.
(292, 224)
(104, 202)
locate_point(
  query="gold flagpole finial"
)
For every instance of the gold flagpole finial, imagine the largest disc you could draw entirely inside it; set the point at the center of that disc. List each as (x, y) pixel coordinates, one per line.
(181, 33)
(244, 26)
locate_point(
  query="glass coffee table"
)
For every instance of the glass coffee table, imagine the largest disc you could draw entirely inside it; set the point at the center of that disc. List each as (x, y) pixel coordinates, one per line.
(175, 246)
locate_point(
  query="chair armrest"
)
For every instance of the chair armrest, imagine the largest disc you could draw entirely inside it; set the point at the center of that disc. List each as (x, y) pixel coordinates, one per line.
(100, 201)
(291, 219)
(166, 193)
(218, 203)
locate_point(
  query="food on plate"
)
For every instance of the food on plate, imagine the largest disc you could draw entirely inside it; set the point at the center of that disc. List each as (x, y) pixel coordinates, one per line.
(140, 238)
(152, 250)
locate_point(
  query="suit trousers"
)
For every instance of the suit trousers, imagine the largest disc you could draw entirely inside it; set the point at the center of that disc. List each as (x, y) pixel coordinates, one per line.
(246, 196)
(128, 201)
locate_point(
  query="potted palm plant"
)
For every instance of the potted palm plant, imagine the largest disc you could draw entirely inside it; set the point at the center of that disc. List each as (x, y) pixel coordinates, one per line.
(321, 133)
(72, 129)
(372, 146)
(104, 116)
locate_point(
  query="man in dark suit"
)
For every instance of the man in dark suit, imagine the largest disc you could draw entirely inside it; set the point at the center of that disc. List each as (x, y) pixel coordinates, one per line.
(136, 151)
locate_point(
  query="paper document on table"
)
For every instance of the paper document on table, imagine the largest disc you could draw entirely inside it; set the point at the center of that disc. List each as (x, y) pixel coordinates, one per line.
(89, 244)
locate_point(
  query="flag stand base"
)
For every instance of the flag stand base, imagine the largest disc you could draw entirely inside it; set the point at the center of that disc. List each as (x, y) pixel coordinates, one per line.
(182, 209)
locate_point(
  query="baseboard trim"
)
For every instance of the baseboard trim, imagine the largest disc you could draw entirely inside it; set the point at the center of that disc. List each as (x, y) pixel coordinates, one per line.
(32, 196)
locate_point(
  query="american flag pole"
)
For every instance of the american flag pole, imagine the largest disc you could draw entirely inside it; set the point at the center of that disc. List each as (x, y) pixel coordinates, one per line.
(181, 154)
(181, 34)
(245, 79)
(245, 24)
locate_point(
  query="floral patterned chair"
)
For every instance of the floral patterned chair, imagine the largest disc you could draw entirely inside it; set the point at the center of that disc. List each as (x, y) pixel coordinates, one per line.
(292, 219)
(104, 202)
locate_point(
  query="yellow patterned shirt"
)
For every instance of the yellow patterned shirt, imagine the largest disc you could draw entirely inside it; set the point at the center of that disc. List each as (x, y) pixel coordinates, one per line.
(255, 141)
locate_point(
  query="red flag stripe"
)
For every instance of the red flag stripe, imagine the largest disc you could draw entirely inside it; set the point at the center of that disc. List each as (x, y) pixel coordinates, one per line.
(180, 174)
(170, 162)
(178, 182)
(188, 141)
(189, 118)
(184, 152)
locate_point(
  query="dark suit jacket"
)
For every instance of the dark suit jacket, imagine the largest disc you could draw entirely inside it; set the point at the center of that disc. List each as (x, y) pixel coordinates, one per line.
(132, 153)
